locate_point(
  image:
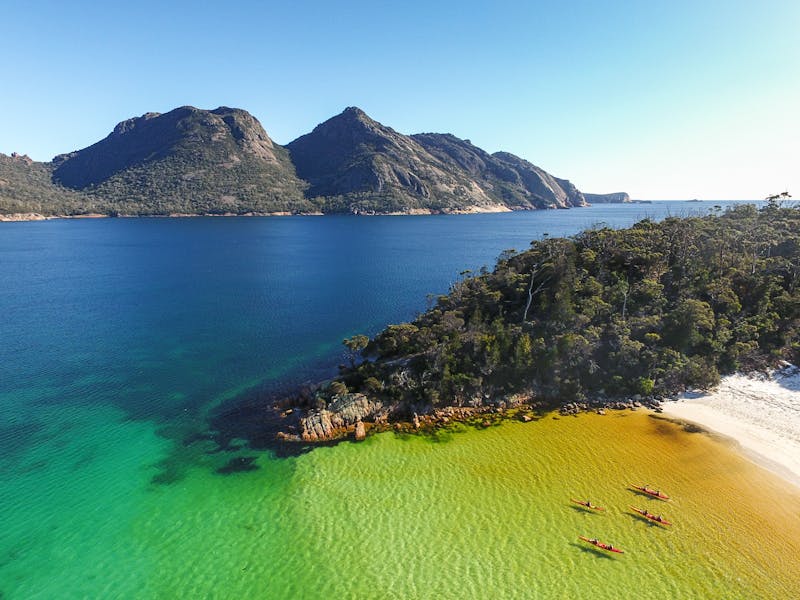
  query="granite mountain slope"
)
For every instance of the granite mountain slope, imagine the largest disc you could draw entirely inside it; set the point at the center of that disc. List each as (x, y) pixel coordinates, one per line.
(221, 161)
(188, 161)
(355, 164)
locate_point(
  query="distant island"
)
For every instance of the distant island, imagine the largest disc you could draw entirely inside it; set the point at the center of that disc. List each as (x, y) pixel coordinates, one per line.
(606, 318)
(613, 198)
(221, 162)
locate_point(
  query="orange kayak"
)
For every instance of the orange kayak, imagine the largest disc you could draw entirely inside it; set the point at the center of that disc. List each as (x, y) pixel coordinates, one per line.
(587, 504)
(601, 545)
(648, 515)
(654, 493)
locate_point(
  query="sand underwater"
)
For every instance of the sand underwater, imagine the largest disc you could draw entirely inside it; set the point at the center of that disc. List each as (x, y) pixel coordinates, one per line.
(464, 514)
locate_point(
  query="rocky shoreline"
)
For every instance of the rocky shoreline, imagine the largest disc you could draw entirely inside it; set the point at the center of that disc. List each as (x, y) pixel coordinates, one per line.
(291, 425)
(293, 422)
(19, 217)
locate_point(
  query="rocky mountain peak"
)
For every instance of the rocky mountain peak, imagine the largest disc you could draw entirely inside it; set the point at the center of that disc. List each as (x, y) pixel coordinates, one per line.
(351, 125)
(355, 112)
(226, 133)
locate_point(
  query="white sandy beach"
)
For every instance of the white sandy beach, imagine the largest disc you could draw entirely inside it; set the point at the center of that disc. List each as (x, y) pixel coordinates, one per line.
(761, 413)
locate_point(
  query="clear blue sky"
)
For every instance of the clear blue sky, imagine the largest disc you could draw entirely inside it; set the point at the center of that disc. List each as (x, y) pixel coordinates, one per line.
(661, 99)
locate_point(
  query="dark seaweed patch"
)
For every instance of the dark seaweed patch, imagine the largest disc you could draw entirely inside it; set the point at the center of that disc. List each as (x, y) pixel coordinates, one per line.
(16, 438)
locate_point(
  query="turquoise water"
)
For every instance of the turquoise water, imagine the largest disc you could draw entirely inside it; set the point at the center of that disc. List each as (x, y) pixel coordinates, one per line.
(119, 337)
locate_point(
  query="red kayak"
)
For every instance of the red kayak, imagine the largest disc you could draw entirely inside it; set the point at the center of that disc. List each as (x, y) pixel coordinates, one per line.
(587, 504)
(650, 492)
(601, 545)
(648, 515)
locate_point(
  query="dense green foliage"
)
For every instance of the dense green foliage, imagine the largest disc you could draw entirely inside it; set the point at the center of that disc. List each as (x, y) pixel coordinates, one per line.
(176, 184)
(26, 187)
(647, 310)
(173, 184)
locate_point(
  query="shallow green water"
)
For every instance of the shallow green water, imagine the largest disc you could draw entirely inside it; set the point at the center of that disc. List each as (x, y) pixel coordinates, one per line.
(119, 337)
(476, 514)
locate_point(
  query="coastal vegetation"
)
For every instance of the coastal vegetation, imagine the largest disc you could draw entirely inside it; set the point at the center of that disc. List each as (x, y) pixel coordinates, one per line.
(643, 312)
(26, 186)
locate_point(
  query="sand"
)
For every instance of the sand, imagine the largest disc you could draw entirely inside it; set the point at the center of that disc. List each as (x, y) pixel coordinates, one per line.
(760, 413)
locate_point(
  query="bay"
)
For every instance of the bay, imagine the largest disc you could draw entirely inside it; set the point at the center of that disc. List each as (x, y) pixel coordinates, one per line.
(119, 336)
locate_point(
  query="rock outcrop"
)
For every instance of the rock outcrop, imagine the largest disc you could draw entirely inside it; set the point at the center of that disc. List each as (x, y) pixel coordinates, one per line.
(361, 431)
(332, 422)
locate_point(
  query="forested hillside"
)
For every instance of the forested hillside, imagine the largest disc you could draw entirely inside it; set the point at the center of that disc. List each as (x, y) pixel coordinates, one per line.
(26, 186)
(649, 310)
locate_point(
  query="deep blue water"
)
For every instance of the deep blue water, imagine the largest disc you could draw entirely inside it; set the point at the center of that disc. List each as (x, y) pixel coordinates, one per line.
(163, 318)
(119, 338)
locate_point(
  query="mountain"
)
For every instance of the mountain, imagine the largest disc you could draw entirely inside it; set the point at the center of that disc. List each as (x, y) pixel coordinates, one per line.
(186, 161)
(355, 164)
(615, 198)
(221, 161)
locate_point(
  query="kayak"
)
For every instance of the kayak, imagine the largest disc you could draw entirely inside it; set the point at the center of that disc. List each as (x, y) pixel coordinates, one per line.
(649, 492)
(587, 504)
(601, 545)
(651, 516)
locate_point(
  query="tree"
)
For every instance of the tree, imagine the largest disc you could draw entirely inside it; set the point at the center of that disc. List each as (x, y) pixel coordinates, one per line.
(355, 345)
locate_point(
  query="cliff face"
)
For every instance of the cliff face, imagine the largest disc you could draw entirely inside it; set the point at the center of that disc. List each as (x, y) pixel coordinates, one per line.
(504, 177)
(187, 160)
(615, 198)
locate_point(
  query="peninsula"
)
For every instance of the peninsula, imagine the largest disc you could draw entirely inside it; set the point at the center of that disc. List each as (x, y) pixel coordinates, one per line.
(191, 161)
(607, 318)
